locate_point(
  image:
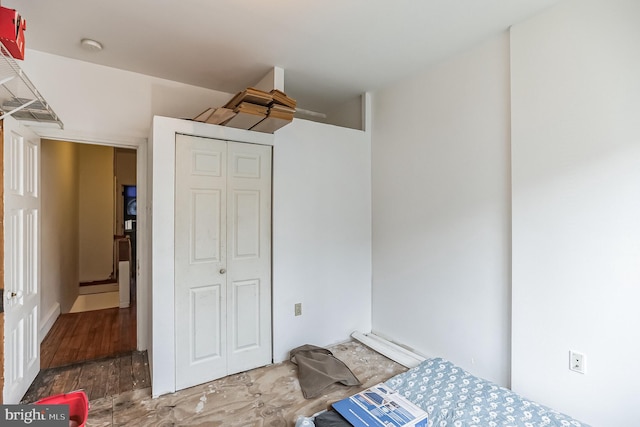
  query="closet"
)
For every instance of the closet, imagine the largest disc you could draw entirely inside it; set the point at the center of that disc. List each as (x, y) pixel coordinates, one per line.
(222, 258)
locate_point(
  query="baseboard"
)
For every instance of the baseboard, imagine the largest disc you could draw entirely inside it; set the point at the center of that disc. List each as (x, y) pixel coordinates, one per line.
(49, 320)
(389, 349)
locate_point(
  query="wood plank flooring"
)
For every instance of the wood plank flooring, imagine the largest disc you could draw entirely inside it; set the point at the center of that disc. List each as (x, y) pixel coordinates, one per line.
(99, 378)
(77, 337)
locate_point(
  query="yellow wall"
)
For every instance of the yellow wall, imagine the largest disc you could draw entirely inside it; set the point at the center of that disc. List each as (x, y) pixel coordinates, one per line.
(60, 235)
(96, 212)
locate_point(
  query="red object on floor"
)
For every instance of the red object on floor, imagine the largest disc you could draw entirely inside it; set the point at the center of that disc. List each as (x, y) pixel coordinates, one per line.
(78, 405)
(12, 28)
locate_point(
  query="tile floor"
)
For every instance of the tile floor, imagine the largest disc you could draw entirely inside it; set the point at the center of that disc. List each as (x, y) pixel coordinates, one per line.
(98, 289)
(97, 301)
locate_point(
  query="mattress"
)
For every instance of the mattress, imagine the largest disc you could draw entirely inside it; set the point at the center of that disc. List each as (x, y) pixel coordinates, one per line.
(454, 398)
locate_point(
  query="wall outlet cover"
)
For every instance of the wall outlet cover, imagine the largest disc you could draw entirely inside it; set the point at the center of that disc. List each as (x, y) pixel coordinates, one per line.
(577, 362)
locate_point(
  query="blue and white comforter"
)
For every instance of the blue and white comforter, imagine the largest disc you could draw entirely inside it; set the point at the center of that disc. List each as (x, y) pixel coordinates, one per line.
(454, 398)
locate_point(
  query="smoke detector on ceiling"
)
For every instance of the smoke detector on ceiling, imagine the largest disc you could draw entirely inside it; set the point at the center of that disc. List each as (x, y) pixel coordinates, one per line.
(91, 45)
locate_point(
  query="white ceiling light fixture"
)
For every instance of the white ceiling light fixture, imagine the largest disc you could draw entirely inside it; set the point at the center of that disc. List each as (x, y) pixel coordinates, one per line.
(91, 45)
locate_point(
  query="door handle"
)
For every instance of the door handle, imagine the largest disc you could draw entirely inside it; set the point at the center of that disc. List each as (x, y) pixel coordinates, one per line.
(11, 295)
(222, 271)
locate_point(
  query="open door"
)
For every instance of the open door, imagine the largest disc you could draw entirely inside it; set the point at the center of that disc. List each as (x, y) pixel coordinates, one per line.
(21, 259)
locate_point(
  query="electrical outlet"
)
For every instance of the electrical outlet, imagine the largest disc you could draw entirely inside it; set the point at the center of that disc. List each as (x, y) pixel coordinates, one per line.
(577, 361)
(297, 309)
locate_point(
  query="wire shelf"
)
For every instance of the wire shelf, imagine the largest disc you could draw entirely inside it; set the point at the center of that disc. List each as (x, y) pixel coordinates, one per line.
(19, 98)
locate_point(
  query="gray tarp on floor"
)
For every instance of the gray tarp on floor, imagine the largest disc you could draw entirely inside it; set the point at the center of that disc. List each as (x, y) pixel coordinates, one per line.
(318, 368)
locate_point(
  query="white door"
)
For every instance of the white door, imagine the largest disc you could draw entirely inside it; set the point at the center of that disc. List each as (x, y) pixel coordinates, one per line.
(200, 260)
(21, 259)
(222, 258)
(248, 256)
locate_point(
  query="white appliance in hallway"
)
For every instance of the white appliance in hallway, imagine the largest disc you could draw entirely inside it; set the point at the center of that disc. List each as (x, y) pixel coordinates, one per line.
(222, 258)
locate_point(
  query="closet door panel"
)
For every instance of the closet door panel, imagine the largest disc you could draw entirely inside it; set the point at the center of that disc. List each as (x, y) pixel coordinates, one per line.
(249, 255)
(200, 260)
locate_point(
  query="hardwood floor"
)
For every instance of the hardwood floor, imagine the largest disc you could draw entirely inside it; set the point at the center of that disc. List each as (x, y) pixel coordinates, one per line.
(78, 337)
(98, 378)
(93, 351)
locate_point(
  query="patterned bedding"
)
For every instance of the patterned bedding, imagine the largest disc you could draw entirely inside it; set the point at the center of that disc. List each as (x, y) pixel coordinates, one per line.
(454, 398)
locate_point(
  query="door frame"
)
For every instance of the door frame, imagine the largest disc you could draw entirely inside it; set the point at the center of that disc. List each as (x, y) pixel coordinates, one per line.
(162, 357)
(143, 268)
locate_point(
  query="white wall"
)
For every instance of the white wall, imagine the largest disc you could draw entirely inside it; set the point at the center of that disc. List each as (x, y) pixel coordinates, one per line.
(576, 208)
(60, 258)
(441, 226)
(348, 114)
(96, 212)
(321, 234)
(108, 104)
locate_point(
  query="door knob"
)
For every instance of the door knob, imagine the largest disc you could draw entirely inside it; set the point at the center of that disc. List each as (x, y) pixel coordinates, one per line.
(222, 271)
(11, 295)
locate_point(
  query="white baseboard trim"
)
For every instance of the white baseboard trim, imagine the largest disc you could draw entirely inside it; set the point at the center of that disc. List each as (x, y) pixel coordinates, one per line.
(48, 321)
(389, 349)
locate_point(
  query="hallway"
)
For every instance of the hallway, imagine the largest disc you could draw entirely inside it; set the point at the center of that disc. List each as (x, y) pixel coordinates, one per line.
(90, 335)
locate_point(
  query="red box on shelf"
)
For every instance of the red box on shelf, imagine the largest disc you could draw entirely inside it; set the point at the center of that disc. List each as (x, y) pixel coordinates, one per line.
(12, 28)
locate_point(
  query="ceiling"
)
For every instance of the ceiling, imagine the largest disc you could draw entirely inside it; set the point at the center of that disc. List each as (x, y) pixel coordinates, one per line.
(331, 50)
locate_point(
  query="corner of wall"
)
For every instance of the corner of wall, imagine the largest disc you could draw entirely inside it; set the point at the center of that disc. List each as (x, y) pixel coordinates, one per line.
(48, 320)
(367, 118)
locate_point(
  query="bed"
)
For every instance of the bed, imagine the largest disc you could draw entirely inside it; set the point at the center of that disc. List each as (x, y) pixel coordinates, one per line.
(453, 397)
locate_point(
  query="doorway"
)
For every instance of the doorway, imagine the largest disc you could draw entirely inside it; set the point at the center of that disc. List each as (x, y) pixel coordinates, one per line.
(52, 307)
(82, 192)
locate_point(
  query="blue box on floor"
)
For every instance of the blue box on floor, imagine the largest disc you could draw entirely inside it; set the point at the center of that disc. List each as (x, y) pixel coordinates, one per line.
(380, 406)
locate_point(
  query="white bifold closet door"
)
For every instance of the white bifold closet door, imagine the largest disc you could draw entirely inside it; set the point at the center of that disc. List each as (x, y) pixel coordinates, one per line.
(222, 258)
